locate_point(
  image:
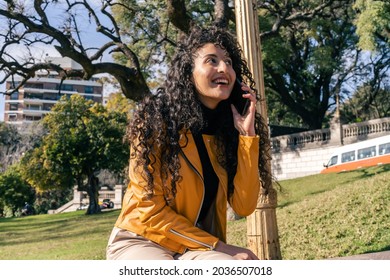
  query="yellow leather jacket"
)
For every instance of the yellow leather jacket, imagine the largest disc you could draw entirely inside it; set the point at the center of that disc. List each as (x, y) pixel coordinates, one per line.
(174, 226)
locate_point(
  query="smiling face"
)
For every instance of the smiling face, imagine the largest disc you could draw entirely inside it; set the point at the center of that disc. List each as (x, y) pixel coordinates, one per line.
(213, 75)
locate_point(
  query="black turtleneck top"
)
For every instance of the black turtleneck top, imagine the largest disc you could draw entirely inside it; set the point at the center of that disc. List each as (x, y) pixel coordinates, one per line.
(211, 180)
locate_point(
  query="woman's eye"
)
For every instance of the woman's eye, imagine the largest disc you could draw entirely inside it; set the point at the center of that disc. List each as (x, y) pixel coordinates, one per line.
(228, 62)
(211, 60)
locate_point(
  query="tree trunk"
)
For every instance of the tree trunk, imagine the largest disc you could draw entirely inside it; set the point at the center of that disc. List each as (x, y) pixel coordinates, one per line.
(93, 194)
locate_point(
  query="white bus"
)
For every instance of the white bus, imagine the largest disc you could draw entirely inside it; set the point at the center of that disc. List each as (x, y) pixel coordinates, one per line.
(363, 154)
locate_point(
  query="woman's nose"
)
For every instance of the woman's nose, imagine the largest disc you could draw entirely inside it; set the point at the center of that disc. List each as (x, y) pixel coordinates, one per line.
(222, 66)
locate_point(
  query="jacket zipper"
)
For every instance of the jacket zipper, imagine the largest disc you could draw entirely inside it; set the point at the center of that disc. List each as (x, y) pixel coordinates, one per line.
(196, 220)
(191, 239)
(201, 177)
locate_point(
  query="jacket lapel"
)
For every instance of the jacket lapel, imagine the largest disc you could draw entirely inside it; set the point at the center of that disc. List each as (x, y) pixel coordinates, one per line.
(188, 146)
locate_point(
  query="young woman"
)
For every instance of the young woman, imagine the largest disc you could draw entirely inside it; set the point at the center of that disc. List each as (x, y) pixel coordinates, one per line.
(192, 152)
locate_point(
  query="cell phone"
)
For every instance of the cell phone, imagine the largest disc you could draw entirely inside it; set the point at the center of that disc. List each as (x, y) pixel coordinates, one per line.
(241, 103)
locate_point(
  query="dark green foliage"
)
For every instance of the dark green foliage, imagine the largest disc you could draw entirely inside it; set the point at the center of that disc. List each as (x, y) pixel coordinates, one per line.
(14, 192)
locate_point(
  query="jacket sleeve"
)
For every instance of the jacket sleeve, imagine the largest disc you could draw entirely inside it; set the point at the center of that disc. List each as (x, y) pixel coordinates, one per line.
(247, 180)
(161, 223)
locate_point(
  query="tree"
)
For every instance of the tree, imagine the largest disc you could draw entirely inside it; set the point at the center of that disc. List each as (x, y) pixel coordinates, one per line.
(9, 140)
(14, 191)
(83, 139)
(37, 172)
(13, 144)
(366, 103)
(118, 103)
(373, 23)
(51, 199)
(306, 62)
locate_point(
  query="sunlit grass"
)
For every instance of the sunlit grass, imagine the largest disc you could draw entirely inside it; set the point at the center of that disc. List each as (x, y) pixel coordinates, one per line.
(67, 236)
(351, 218)
(332, 215)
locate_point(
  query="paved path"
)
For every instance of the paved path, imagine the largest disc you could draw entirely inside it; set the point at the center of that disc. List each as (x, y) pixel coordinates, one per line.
(385, 255)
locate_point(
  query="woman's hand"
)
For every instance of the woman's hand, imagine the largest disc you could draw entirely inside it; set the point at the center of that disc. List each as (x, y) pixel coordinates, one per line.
(236, 252)
(245, 124)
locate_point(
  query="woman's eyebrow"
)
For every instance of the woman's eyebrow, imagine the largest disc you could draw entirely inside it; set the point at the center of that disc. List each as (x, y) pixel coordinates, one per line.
(210, 55)
(214, 55)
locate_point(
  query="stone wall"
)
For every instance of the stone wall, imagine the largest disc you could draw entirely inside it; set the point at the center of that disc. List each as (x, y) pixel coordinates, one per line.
(299, 163)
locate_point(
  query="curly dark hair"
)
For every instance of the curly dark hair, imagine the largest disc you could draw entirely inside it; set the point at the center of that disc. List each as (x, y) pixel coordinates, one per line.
(162, 117)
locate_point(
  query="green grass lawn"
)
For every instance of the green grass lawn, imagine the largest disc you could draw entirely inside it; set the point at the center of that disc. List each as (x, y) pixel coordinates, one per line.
(337, 215)
(320, 216)
(67, 236)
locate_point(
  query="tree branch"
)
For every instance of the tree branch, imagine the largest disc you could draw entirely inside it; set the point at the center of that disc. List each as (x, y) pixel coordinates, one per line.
(177, 14)
(221, 12)
(288, 12)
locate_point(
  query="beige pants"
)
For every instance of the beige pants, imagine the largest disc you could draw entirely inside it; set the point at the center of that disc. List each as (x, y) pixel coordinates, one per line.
(126, 245)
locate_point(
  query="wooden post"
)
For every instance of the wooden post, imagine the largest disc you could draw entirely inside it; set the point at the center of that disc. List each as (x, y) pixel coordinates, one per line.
(262, 229)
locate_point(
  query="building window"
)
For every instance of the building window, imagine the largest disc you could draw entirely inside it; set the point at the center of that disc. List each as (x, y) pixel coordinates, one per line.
(13, 106)
(87, 97)
(50, 96)
(47, 107)
(65, 87)
(34, 107)
(32, 118)
(29, 95)
(33, 85)
(14, 84)
(88, 89)
(14, 95)
(12, 117)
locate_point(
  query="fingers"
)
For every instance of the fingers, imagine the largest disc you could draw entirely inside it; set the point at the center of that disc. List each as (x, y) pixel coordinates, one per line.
(234, 110)
(245, 124)
(250, 94)
(238, 120)
(246, 256)
(235, 251)
(241, 256)
(248, 90)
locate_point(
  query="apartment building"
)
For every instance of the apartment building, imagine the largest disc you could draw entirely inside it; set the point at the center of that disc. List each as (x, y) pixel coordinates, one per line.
(36, 98)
